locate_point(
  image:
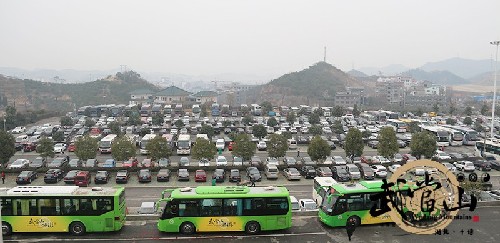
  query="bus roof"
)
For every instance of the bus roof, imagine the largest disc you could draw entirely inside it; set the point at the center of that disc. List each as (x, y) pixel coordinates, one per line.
(325, 181)
(60, 191)
(363, 186)
(228, 192)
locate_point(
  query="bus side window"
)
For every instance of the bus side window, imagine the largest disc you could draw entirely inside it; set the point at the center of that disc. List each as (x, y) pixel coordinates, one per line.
(7, 209)
(340, 206)
(233, 207)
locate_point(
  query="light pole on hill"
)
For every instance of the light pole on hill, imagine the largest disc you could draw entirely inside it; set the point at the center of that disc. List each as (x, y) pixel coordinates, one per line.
(494, 88)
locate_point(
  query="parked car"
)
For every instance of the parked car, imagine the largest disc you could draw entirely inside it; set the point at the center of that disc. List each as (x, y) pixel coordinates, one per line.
(450, 167)
(353, 171)
(465, 166)
(324, 172)
(272, 161)
(255, 161)
(70, 176)
(366, 171)
(58, 162)
(101, 177)
(29, 147)
(394, 167)
(75, 163)
(38, 162)
(373, 144)
(340, 173)
(147, 163)
(184, 161)
(338, 160)
(53, 176)
(292, 174)
(163, 163)
(440, 155)
(380, 171)
(220, 175)
(308, 172)
(234, 175)
(307, 161)
(59, 148)
(290, 161)
(183, 175)
(18, 164)
(482, 165)
(495, 164)
(380, 160)
(71, 147)
(237, 161)
(204, 162)
(200, 176)
(356, 160)
(231, 146)
(253, 172)
(144, 175)
(132, 162)
(398, 158)
(221, 161)
(408, 158)
(26, 177)
(109, 163)
(91, 163)
(122, 176)
(163, 175)
(262, 146)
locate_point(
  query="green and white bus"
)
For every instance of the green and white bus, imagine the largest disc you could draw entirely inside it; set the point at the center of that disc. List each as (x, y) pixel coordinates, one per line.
(346, 201)
(225, 208)
(62, 209)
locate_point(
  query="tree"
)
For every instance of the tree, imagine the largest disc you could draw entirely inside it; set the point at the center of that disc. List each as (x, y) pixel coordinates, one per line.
(134, 119)
(468, 121)
(314, 118)
(387, 142)
(291, 117)
(209, 130)
(144, 131)
(157, 120)
(115, 128)
(355, 111)
(7, 147)
(287, 134)
(247, 119)
(204, 109)
(58, 136)
(472, 188)
(353, 143)
(318, 149)
(86, 147)
(123, 149)
(158, 148)
(366, 133)
(337, 127)
(338, 111)
(468, 111)
(315, 130)
(423, 143)
(259, 131)
(45, 147)
(226, 123)
(451, 121)
(66, 121)
(89, 122)
(435, 107)
(244, 147)
(478, 125)
(413, 127)
(484, 109)
(452, 109)
(179, 123)
(203, 149)
(277, 146)
(271, 122)
(419, 111)
(266, 107)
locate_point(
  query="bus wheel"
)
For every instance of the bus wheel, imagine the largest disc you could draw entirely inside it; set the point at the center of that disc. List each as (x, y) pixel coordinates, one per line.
(252, 227)
(357, 220)
(187, 228)
(77, 228)
(6, 229)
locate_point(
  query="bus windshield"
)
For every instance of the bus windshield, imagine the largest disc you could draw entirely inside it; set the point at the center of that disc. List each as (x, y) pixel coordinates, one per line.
(183, 144)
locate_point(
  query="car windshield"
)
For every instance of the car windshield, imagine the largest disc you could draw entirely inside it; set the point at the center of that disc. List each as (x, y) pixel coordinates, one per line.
(71, 173)
(24, 173)
(354, 169)
(101, 173)
(143, 173)
(18, 162)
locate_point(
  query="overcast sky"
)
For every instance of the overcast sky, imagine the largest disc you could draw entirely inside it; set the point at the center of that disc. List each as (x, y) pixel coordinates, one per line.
(207, 37)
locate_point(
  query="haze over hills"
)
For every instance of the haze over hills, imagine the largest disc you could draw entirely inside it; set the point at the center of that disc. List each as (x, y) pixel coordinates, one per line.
(465, 68)
(438, 77)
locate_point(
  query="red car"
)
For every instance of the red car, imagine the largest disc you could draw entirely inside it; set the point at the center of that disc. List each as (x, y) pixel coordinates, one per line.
(132, 162)
(231, 145)
(201, 176)
(29, 147)
(71, 147)
(367, 159)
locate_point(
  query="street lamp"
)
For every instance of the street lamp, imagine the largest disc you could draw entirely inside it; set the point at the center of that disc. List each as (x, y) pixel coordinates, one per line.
(4, 121)
(494, 87)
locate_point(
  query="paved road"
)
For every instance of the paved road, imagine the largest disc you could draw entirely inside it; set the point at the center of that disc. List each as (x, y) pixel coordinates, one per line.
(305, 229)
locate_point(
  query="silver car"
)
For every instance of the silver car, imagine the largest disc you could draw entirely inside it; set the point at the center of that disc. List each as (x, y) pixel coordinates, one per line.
(353, 171)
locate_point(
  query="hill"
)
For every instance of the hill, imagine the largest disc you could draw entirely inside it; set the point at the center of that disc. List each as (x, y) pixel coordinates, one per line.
(356, 73)
(309, 86)
(465, 68)
(392, 69)
(35, 95)
(438, 77)
(485, 79)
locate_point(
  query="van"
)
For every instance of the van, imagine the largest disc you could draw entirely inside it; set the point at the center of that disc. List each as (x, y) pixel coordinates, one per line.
(292, 144)
(295, 203)
(82, 178)
(308, 205)
(271, 171)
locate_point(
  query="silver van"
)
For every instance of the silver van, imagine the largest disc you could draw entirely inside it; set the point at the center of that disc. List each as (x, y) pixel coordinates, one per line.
(295, 203)
(271, 171)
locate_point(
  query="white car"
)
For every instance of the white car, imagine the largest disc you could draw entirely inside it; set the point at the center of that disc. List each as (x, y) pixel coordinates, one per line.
(442, 155)
(261, 146)
(19, 130)
(308, 205)
(465, 166)
(327, 130)
(204, 162)
(394, 167)
(380, 171)
(221, 161)
(19, 163)
(220, 144)
(338, 160)
(450, 167)
(59, 147)
(381, 159)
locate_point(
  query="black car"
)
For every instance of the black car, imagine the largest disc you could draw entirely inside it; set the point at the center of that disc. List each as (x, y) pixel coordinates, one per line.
(494, 164)
(183, 175)
(308, 172)
(340, 173)
(307, 161)
(57, 162)
(70, 177)
(482, 165)
(219, 175)
(253, 172)
(122, 176)
(144, 175)
(366, 171)
(26, 177)
(324, 171)
(234, 175)
(53, 176)
(101, 177)
(163, 175)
